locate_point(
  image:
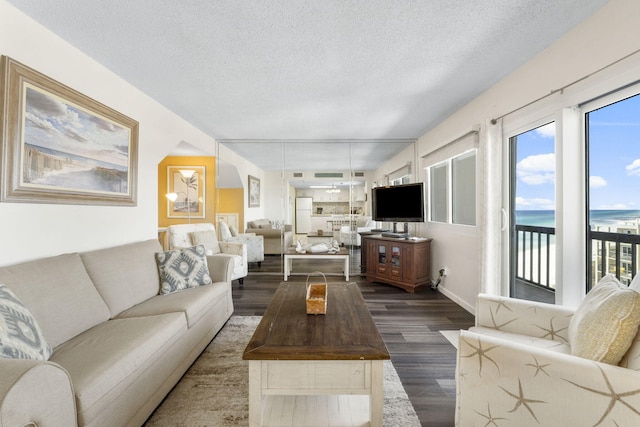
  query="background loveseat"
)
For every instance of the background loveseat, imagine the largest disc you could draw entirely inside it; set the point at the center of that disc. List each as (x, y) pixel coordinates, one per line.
(534, 364)
(277, 239)
(118, 346)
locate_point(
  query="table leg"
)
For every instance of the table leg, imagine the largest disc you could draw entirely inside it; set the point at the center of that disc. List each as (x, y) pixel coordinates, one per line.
(376, 399)
(346, 268)
(287, 270)
(255, 393)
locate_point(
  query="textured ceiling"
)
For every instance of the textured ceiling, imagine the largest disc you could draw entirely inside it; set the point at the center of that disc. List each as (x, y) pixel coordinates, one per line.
(311, 70)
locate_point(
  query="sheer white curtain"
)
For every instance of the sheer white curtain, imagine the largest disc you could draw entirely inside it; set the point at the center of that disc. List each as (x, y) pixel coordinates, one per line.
(492, 216)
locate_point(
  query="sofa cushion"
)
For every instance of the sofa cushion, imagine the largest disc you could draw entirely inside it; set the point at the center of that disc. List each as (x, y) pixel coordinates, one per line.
(259, 223)
(233, 230)
(179, 236)
(206, 238)
(115, 352)
(60, 295)
(182, 269)
(115, 271)
(606, 322)
(194, 302)
(20, 334)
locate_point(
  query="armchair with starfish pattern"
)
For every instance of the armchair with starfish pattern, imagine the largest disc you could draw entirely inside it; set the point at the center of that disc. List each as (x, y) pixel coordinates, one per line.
(516, 368)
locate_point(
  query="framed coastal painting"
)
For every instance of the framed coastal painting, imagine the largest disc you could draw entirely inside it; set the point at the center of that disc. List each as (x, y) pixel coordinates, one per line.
(254, 192)
(186, 186)
(60, 146)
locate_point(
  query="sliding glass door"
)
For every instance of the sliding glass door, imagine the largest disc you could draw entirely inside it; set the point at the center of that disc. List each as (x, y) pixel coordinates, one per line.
(532, 234)
(613, 168)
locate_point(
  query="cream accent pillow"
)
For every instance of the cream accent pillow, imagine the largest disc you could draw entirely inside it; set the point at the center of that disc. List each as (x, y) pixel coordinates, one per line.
(606, 322)
(635, 283)
(206, 238)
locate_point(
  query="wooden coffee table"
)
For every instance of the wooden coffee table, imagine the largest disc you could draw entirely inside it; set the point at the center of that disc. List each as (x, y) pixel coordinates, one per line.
(316, 368)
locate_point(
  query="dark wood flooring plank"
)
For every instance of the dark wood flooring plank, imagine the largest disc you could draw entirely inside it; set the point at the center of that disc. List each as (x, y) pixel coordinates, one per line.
(409, 325)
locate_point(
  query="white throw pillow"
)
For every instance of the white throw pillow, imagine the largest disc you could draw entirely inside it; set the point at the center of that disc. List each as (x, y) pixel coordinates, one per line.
(225, 233)
(635, 283)
(20, 335)
(206, 238)
(606, 322)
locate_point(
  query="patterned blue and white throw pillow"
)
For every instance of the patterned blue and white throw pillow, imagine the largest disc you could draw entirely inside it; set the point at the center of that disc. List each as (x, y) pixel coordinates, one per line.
(20, 335)
(182, 269)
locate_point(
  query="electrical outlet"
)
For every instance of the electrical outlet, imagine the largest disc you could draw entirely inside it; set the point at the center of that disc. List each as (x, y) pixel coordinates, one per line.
(445, 271)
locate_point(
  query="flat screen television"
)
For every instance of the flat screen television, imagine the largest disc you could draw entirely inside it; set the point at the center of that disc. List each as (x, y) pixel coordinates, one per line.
(398, 203)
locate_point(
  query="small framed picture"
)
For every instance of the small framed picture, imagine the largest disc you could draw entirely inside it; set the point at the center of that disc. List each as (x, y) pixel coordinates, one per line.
(254, 192)
(188, 190)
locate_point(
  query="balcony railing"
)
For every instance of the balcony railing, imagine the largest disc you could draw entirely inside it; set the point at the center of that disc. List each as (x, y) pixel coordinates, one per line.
(615, 253)
(535, 260)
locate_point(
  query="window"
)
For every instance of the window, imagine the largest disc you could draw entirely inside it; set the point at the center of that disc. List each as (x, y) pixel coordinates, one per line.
(463, 192)
(613, 169)
(439, 190)
(452, 190)
(402, 180)
(533, 210)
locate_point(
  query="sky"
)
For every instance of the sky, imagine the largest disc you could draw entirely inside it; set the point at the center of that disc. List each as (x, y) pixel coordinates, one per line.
(614, 161)
(53, 123)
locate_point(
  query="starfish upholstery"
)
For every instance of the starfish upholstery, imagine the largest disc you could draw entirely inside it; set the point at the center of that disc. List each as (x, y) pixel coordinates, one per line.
(515, 368)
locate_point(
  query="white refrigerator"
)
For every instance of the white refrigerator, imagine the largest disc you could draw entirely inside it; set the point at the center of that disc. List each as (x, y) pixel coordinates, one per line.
(303, 215)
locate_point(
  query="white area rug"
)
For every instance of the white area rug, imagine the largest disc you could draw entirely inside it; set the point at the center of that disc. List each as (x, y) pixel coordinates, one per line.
(214, 392)
(452, 337)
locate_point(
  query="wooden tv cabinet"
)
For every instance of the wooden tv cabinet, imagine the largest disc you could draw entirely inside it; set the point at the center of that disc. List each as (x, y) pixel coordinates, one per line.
(405, 263)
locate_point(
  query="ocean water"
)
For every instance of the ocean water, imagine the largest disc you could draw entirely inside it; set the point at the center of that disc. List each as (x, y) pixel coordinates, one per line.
(608, 218)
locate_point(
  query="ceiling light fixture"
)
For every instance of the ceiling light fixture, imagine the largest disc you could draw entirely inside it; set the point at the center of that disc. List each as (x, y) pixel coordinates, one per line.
(333, 189)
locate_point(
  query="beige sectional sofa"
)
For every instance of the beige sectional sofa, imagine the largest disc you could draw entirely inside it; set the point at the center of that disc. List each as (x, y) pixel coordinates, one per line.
(118, 346)
(276, 240)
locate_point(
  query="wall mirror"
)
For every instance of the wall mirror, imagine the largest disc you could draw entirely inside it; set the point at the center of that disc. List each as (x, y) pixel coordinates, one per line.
(320, 189)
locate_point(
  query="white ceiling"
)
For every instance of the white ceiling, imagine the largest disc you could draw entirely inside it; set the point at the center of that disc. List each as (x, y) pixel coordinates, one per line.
(299, 70)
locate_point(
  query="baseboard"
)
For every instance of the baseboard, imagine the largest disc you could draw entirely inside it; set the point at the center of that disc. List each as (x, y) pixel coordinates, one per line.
(453, 297)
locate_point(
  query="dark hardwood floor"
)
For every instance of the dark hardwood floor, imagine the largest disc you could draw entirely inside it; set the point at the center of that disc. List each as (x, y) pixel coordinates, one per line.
(409, 325)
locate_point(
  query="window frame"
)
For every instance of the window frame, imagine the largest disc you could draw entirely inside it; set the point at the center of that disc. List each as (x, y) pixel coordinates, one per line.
(450, 188)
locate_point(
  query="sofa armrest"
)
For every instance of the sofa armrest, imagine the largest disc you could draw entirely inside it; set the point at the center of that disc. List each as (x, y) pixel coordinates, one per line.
(233, 248)
(529, 318)
(220, 268)
(35, 392)
(247, 239)
(528, 386)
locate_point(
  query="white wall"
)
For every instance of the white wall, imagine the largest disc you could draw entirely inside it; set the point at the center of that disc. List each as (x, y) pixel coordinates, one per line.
(611, 34)
(244, 169)
(30, 231)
